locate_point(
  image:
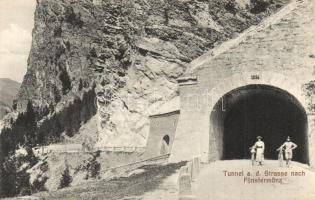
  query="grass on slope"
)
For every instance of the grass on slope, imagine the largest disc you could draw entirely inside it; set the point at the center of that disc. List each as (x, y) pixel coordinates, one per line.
(120, 188)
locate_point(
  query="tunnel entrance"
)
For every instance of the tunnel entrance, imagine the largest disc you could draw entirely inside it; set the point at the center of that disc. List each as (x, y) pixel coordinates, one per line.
(244, 113)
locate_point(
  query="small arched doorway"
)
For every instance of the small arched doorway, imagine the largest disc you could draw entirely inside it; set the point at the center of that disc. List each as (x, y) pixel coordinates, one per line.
(165, 145)
(246, 112)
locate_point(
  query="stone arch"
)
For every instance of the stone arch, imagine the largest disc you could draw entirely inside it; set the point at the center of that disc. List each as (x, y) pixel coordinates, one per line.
(203, 100)
(287, 85)
(165, 145)
(166, 139)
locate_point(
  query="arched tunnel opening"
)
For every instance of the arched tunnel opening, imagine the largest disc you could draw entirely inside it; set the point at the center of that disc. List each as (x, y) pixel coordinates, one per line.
(257, 110)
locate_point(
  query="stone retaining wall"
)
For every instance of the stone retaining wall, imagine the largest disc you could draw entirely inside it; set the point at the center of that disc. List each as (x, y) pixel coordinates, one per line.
(187, 175)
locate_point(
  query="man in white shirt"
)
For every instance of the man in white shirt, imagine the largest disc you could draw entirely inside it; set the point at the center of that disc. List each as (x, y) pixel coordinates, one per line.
(288, 150)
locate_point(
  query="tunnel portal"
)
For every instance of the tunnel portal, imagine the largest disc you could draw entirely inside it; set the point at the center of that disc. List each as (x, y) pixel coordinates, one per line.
(244, 113)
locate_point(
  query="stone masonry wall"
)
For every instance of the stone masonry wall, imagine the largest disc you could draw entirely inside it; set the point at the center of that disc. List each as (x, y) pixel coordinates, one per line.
(160, 126)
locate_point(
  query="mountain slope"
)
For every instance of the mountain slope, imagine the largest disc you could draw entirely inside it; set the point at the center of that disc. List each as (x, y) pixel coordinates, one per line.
(8, 91)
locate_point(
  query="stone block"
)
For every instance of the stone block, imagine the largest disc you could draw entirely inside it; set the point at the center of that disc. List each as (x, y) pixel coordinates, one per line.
(196, 167)
(190, 168)
(183, 170)
(185, 185)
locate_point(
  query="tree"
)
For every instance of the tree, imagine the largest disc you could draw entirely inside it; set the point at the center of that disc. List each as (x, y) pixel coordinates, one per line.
(14, 104)
(66, 81)
(66, 178)
(9, 177)
(57, 96)
(30, 125)
(23, 186)
(258, 6)
(94, 167)
(80, 84)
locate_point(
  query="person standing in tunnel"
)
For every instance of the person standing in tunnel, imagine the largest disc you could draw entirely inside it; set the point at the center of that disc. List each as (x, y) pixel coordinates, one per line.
(252, 152)
(288, 150)
(260, 148)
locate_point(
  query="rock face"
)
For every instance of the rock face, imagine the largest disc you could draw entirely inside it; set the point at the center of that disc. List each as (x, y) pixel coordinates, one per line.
(8, 91)
(127, 54)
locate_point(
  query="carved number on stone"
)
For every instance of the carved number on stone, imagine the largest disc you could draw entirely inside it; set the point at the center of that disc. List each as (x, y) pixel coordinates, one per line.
(255, 77)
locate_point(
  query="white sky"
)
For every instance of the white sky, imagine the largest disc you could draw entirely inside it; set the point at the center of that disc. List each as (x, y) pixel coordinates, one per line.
(16, 24)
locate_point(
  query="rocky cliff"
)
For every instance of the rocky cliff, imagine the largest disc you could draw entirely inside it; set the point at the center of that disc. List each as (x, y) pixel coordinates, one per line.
(119, 58)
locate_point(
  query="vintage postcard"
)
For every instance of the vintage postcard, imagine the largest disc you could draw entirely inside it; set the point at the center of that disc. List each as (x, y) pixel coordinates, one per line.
(157, 99)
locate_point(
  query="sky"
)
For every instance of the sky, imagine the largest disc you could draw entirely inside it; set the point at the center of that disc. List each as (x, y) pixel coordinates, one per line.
(16, 24)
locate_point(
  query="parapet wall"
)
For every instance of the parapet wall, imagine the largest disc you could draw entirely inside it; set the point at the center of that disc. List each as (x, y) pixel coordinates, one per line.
(77, 148)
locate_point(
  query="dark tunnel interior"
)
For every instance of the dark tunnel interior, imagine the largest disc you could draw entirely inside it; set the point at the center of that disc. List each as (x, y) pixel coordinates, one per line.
(244, 113)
